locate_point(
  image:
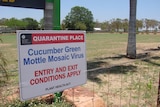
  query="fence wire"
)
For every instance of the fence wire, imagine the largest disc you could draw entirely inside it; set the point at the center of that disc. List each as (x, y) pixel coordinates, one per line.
(129, 84)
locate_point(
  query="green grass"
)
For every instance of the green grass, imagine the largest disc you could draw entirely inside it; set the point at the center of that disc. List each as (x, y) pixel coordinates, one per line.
(150, 38)
(106, 50)
(9, 39)
(9, 48)
(104, 44)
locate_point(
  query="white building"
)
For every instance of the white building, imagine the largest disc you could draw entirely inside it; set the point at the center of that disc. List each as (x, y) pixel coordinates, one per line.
(97, 29)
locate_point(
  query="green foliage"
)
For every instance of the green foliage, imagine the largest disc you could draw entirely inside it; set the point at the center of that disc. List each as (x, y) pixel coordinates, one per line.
(139, 24)
(36, 103)
(149, 85)
(31, 23)
(57, 97)
(2, 21)
(18, 103)
(79, 18)
(15, 23)
(41, 23)
(114, 25)
(117, 24)
(80, 26)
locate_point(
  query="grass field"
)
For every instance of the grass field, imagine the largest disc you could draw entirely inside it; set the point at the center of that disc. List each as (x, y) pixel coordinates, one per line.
(118, 80)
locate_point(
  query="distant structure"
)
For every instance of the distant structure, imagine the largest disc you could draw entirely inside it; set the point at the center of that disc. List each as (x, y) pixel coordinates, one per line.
(149, 28)
(97, 29)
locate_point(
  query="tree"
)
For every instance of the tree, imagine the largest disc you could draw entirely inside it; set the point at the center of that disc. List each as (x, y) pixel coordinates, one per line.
(41, 23)
(15, 23)
(125, 25)
(63, 26)
(117, 24)
(2, 21)
(32, 24)
(113, 26)
(151, 24)
(131, 47)
(80, 26)
(79, 18)
(105, 26)
(139, 24)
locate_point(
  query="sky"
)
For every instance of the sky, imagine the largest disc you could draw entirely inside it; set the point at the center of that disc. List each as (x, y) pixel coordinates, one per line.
(102, 10)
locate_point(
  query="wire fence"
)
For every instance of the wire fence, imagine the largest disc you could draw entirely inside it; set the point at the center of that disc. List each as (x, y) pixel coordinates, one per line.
(130, 84)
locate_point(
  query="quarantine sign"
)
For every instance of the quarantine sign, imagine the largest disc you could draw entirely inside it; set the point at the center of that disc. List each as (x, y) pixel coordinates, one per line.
(50, 61)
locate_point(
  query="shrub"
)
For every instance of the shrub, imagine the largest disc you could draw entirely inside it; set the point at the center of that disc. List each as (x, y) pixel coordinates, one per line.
(3, 64)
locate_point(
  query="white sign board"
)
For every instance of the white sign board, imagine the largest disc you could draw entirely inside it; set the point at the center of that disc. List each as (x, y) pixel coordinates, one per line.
(50, 61)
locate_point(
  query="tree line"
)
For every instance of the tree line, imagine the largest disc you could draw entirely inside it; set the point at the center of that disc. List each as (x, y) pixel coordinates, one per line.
(122, 25)
(80, 18)
(113, 25)
(20, 24)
